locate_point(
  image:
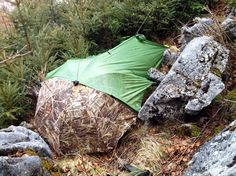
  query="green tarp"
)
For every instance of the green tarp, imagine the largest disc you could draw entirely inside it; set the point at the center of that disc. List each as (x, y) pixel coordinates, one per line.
(120, 72)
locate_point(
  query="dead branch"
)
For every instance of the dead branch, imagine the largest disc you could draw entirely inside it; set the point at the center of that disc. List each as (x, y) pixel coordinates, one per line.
(13, 57)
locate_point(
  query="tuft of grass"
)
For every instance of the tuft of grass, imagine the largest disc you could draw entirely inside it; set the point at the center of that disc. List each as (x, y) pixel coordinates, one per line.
(150, 154)
(143, 147)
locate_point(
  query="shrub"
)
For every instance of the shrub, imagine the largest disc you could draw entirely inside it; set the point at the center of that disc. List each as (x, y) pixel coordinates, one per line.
(12, 103)
(231, 3)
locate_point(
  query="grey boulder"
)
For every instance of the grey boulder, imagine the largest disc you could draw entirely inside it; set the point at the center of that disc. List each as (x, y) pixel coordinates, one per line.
(217, 157)
(23, 166)
(201, 27)
(191, 84)
(16, 138)
(229, 25)
(156, 75)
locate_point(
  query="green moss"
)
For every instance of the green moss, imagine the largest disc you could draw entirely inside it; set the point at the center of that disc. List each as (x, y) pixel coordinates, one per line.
(195, 131)
(219, 99)
(216, 72)
(218, 129)
(191, 130)
(232, 112)
(49, 166)
(31, 152)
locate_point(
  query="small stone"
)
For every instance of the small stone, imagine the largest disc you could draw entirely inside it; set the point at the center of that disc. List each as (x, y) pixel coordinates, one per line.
(156, 75)
(170, 56)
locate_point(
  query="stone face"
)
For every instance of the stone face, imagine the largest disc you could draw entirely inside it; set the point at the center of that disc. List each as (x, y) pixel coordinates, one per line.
(16, 138)
(214, 85)
(169, 56)
(207, 26)
(191, 84)
(23, 166)
(156, 75)
(201, 27)
(216, 157)
(229, 25)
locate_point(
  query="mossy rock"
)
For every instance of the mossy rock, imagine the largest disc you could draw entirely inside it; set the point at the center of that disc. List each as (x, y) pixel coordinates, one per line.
(47, 165)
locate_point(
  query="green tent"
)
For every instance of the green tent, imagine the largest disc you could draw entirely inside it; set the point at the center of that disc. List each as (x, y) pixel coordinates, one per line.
(120, 72)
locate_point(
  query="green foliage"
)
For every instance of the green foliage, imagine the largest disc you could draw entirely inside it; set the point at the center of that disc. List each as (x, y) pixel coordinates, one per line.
(230, 99)
(124, 19)
(187, 9)
(11, 103)
(231, 3)
(81, 28)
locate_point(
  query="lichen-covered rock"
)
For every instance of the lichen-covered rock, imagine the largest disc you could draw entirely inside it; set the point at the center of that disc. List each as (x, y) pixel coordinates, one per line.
(16, 138)
(229, 25)
(216, 157)
(201, 27)
(20, 166)
(78, 118)
(191, 84)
